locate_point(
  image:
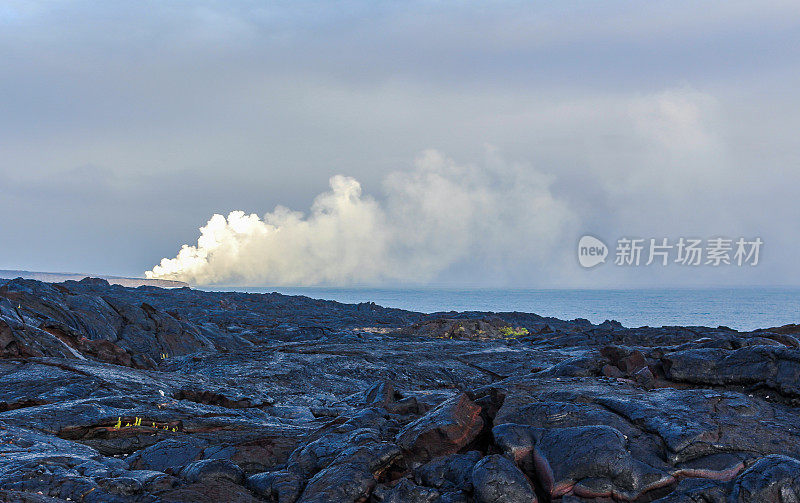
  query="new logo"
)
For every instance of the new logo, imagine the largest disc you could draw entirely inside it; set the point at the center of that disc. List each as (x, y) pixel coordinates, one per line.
(591, 251)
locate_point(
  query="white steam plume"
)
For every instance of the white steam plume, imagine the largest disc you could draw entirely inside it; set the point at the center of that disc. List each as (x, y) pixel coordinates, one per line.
(436, 217)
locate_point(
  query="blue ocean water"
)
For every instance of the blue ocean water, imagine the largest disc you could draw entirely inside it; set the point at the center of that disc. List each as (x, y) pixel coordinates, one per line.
(738, 308)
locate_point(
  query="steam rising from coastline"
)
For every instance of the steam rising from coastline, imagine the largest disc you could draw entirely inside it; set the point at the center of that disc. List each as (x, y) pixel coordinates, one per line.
(437, 216)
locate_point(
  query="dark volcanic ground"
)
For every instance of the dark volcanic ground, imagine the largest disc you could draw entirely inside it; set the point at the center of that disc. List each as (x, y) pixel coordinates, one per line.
(112, 394)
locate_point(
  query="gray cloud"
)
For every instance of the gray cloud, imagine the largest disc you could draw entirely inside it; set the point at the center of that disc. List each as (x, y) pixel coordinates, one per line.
(125, 126)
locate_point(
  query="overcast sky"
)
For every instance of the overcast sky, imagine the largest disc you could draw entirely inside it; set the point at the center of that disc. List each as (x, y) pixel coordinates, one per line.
(124, 126)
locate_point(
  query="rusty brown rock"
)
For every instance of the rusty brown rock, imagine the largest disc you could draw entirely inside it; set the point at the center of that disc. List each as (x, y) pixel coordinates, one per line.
(444, 430)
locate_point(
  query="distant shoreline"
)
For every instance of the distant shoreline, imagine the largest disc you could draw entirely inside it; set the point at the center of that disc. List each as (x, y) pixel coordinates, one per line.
(58, 277)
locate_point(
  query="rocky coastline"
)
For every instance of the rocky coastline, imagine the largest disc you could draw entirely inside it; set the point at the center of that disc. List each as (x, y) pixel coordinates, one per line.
(116, 394)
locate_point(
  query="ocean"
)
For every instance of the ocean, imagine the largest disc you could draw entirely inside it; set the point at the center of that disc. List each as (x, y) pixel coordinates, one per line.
(738, 308)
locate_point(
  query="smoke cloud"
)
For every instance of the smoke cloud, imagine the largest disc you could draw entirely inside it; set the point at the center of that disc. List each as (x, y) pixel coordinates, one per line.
(437, 217)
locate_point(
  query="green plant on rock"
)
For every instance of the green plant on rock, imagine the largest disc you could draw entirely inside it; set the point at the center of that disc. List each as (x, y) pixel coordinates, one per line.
(137, 421)
(512, 333)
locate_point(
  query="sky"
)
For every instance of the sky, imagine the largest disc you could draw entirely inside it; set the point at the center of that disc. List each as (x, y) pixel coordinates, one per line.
(397, 143)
